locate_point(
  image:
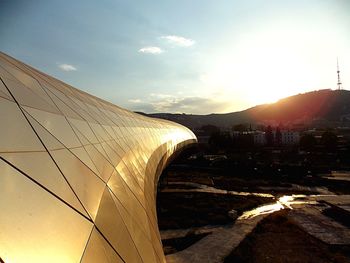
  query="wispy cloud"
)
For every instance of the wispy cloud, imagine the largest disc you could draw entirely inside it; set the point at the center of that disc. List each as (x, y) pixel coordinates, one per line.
(67, 67)
(151, 50)
(160, 95)
(178, 104)
(135, 100)
(179, 41)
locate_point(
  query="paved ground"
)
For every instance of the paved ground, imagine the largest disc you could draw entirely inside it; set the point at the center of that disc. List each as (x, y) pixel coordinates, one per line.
(311, 219)
(178, 233)
(343, 176)
(216, 246)
(320, 226)
(307, 214)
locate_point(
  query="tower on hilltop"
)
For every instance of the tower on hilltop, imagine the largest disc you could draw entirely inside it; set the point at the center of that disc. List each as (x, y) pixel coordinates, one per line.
(339, 84)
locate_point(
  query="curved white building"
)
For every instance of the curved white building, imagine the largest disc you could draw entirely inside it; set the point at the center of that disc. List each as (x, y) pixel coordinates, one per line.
(78, 175)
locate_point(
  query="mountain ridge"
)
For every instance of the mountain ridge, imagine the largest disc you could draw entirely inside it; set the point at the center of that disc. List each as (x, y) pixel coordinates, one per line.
(326, 106)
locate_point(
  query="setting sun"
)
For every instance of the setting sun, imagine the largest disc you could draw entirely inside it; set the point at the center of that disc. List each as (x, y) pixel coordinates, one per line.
(219, 58)
(273, 62)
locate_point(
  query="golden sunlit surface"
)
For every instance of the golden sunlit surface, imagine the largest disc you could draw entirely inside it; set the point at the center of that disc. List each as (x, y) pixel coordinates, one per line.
(78, 175)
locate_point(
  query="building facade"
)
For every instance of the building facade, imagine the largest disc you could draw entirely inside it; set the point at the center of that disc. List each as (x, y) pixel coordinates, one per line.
(78, 175)
(287, 137)
(290, 137)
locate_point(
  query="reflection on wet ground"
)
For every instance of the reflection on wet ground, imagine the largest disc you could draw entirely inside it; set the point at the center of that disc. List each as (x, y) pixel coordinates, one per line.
(262, 210)
(283, 202)
(202, 188)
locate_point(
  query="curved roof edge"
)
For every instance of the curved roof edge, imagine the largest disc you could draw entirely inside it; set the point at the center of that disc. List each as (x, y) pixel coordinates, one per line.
(78, 174)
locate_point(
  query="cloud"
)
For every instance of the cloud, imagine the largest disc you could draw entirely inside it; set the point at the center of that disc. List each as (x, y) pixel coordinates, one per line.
(135, 100)
(67, 67)
(151, 50)
(173, 104)
(160, 95)
(179, 41)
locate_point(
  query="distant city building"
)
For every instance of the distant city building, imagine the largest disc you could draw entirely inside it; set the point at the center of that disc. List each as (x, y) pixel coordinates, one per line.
(290, 137)
(259, 138)
(287, 137)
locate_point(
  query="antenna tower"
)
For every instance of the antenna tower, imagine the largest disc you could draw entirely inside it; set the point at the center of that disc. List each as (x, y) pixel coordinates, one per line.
(339, 84)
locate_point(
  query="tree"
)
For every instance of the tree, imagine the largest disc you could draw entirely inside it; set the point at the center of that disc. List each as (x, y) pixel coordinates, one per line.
(240, 127)
(220, 141)
(307, 142)
(244, 141)
(269, 136)
(329, 140)
(210, 129)
(278, 136)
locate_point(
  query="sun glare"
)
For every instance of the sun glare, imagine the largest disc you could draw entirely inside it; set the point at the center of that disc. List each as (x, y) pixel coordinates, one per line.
(270, 64)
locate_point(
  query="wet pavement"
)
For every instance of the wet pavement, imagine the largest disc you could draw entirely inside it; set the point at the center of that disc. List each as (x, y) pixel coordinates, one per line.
(202, 188)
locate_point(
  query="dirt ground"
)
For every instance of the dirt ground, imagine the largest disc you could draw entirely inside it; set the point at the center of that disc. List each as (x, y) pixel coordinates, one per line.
(174, 245)
(277, 240)
(234, 183)
(185, 210)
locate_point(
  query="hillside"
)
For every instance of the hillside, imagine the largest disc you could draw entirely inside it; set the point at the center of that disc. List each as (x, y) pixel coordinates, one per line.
(322, 107)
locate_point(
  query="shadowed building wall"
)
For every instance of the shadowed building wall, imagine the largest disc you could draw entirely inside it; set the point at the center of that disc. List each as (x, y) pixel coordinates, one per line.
(78, 175)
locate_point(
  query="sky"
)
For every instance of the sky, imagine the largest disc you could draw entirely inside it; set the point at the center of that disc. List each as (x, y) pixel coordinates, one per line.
(183, 56)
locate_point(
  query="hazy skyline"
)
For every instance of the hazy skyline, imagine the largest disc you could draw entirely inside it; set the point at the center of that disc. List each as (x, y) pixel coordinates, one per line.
(183, 56)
